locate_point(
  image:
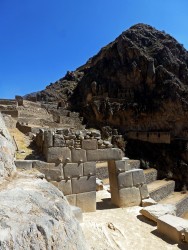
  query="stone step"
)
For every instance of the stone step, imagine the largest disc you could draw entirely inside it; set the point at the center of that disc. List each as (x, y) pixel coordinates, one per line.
(179, 200)
(151, 175)
(160, 189)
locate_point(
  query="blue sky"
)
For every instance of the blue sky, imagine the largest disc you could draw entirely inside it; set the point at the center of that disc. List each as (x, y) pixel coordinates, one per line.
(42, 39)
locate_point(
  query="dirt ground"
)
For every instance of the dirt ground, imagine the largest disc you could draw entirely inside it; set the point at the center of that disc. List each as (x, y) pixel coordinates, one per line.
(122, 229)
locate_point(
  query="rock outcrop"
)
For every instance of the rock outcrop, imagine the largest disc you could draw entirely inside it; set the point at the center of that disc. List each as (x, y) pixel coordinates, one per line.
(35, 215)
(7, 150)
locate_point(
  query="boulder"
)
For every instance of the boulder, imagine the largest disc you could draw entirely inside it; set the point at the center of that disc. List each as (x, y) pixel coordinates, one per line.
(36, 215)
(7, 150)
(156, 211)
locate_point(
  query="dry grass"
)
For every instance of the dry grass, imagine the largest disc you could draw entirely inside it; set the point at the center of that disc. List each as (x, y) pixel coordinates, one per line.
(22, 142)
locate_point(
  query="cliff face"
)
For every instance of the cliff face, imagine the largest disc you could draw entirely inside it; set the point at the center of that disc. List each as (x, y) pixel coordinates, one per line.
(138, 82)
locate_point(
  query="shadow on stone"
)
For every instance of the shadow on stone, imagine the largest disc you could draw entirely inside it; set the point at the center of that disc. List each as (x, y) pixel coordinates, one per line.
(146, 220)
(163, 237)
(105, 204)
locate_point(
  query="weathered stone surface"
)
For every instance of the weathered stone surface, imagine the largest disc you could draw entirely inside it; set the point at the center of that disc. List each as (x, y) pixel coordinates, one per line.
(65, 186)
(129, 197)
(148, 202)
(48, 138)
(73, 170)
(35, 215)
(59, 140)
(71, 199)
(144, 191)
(125, 180)
(42, 165)
(86, 201)
(89, 168)
(78, 155)
(118, 166)
(138, 177)
(7, 150)
(104, 154)
(89, 144)
(156, 211)
(24, 164)
(77, 213)
(83, 184)
(173, 227)
(58, 154)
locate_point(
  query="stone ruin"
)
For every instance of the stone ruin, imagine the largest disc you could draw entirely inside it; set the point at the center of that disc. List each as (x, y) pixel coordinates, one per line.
(70, 165)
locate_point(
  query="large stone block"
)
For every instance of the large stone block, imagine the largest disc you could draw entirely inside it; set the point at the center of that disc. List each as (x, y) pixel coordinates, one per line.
(42, 164)
(86, 201)
(73, 170)
(71, 199)
(83, 184)
(118, 166)
(104, 154)
(65, 186)
(58, 154)
(48, 138)
(144, 191)
(90, 168)
(129, 197)
(173, 227)
(156, 211)
(24, 164)
(138, 177)
(125, 180)
(54, 174)
(89, 144)
(79, 155)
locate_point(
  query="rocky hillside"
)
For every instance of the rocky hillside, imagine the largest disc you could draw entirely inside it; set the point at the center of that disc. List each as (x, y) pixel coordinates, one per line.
(139, 82)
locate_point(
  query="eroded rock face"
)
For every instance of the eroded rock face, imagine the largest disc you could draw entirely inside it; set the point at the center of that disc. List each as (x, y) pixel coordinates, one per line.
(36, 215)
(7, 150)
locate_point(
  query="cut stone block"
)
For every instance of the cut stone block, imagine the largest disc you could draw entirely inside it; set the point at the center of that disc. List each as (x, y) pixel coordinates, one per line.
(90, 168)
(125, 180)
(48, 139)
(86, 201)
(156, 211)
(42, 164)
(79, 155)
(104, 154)
(138, 177)
(148, 202)
(54, 174)
(89, 144)
(58, 154)
(129, 197)
(55, 183)
(77, 213)
(144, 191)
(65, 186)
(173, 227)
(118, 166)
(83, 184)
(24, 164)
(71, 199)
(73, 170)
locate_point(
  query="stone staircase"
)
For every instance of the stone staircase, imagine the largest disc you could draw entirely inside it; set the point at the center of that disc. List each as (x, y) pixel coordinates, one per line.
(163, 192)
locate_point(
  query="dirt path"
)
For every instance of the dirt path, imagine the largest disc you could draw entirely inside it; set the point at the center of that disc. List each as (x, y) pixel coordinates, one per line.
(122, 229)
